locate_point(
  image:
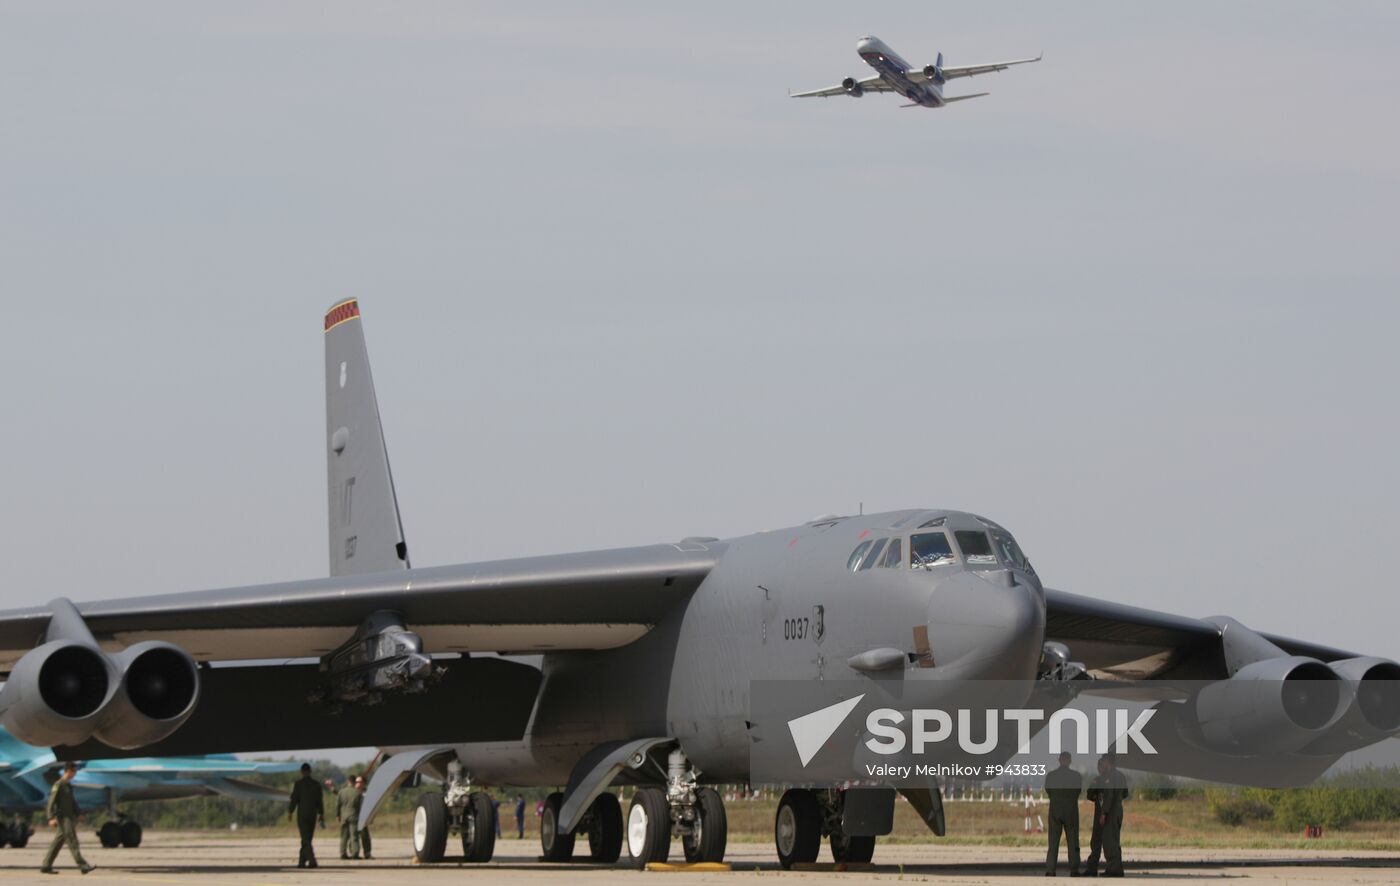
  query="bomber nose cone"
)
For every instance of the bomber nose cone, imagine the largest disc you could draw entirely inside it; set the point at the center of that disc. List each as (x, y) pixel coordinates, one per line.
(986, 627)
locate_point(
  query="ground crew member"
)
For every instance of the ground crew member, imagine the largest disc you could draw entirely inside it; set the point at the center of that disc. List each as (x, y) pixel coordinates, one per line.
(520, 815)
(1095, 795)
(309, 808)
(63, 814)
(1063, 785)
(1115, 791)
(347, 812)
(364, 835)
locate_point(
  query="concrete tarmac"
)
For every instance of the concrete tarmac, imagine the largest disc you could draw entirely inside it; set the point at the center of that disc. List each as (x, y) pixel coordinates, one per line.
(216, 858)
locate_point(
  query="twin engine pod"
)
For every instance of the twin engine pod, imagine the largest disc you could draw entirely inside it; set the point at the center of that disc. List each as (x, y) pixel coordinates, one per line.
(67, 691)
(1294, 704)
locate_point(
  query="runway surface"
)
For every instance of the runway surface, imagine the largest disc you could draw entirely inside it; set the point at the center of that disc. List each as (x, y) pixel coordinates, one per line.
(213, 858)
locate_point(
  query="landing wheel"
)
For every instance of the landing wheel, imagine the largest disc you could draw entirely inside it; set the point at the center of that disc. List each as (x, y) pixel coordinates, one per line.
(710, 832)
(110, 834)
(648, 827)
(19, 835)
(797, 831)
(852, 849)
(430, 828)
(131, 834)
(556, 846)
(479, 828)
(4, 834)
(605, 832)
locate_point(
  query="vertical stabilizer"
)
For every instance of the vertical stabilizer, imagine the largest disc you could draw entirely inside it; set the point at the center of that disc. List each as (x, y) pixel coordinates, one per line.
(366, 534)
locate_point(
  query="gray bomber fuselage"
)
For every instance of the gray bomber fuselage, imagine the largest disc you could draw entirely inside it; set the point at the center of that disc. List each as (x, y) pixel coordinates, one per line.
(779, 605)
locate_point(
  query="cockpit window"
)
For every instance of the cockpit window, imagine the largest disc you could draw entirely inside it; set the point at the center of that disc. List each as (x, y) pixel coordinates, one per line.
(976, 547)
(854, 560)
(1011, 553)
(874, 556)
(894, 554)
(927, 549)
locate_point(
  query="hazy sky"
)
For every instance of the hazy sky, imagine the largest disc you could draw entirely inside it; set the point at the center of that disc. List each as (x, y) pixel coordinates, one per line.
(1139, 305)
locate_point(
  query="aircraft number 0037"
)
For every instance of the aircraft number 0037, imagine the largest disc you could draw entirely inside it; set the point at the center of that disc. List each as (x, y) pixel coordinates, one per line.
(796, 628)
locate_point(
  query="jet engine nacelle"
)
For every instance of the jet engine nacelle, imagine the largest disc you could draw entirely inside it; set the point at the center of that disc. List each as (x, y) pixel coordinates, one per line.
(852, 87)
(1274, 706)
(934, 73)
(57, 693)
(158, 691)
(1371, 710)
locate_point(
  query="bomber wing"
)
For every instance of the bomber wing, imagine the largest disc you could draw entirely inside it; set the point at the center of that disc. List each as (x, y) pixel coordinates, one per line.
(588, 600)
(1128, 642)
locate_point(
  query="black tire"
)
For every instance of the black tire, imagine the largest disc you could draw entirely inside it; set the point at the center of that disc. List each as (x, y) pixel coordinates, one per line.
(131, 834)
(605, 829)
(856, 850)
(554, 846)
(110, 834)
(714, 828)
(479, 828)
(4, 835)
(648, 827)
(429, 828)
(19, 836)
(797, 828)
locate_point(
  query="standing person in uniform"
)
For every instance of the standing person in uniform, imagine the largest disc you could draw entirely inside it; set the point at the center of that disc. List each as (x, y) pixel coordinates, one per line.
(63, 814)
(1095, 795)
(347, 812)
(520, 815)
(364, 834)
(1063, 785)
(1115, 791)
(309, 808)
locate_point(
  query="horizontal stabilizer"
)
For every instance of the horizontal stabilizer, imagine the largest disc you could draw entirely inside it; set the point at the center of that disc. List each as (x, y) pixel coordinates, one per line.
(962, 98)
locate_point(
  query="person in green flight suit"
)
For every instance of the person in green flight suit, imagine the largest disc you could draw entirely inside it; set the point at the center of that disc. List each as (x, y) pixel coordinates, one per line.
(309, 808)
(365, 844)
(1095, 795)
(1115, 791)
(63, 814)
(1063, 785)
(347, 812)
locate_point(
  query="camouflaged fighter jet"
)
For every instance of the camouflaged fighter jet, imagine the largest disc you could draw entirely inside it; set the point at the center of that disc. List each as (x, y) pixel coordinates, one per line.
(628, 666)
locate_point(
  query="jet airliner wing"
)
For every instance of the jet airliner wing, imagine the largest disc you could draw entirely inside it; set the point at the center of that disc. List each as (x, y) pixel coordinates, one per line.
(952, 73)
(869, 84)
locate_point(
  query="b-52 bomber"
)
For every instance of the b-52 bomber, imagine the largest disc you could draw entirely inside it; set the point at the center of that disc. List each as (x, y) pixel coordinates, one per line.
(633, 665)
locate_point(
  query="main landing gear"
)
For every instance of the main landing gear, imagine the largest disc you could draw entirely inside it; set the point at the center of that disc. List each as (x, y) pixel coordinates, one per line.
(602, 823)
(456, 810)
(682, 808)
(804, 818)
(119, 832)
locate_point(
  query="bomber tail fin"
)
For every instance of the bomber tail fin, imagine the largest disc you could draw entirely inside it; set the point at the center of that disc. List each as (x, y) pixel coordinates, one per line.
(366, 534)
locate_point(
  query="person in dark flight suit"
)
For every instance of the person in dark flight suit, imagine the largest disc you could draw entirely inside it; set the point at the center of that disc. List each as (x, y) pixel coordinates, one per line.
(1115, 791)
(1095, 795)
(1063, 785)
(309, 808)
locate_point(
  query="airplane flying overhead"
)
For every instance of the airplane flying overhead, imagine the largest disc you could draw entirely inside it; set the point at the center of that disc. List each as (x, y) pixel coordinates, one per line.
(640, 665)
(26, 772)
(922, 86)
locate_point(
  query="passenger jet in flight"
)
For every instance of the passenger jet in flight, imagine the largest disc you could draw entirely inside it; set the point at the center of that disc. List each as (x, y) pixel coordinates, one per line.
(923, 87)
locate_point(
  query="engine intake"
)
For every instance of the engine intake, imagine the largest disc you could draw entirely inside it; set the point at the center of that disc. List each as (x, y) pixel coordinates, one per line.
(1274, 706)
(1371, 712)
(57, 693)
(852, 87)
(158, 692)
